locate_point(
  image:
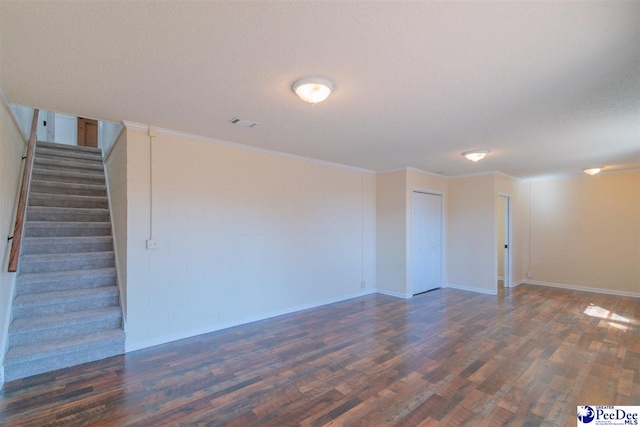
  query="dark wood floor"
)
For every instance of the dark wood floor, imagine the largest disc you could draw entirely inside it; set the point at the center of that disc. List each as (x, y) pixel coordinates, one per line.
(447, 357)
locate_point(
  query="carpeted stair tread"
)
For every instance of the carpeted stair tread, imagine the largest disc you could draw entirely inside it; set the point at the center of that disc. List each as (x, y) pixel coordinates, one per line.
(72, 239)
(67, 228)
(68, 224)
(65, 280)
(68, 200)
(78, 156)
(76, 148)
(67, 244)
(40, 263)
(47, 187)
(54, 213)
(27, 353)
(60, 210)
(54, 321)
(47, 298)
(64, 275)
(56, 164)
(67, 176)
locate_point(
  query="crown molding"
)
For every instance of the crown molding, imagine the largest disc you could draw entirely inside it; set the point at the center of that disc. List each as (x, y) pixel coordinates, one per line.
(135, 126)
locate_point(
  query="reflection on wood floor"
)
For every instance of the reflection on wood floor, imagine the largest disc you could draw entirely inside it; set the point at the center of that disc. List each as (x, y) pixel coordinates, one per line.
(447, 357)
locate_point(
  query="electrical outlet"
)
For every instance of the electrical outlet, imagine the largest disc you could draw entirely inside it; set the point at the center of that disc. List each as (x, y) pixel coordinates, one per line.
(530, 274)
(152, 244)
(363, 284)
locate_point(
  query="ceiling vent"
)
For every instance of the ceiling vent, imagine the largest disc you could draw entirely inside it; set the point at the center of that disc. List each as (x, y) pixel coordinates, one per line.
(243, 123)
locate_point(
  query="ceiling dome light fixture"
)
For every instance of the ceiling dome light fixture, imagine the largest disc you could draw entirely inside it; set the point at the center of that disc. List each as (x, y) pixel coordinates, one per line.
(591, 171)
(313, 89)
(475, 155)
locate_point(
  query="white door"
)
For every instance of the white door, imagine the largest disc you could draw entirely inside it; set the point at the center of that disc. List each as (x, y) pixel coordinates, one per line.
(506, 255)
(426, 238)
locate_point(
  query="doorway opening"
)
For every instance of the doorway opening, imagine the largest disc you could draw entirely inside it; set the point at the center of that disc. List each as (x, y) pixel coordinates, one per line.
(503, 231)
(426, 241)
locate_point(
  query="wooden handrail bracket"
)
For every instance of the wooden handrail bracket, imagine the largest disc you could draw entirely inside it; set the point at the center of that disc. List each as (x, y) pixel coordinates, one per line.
(18, 230)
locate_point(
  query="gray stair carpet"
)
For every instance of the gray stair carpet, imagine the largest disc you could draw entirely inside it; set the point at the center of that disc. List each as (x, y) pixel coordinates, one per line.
(67, 306)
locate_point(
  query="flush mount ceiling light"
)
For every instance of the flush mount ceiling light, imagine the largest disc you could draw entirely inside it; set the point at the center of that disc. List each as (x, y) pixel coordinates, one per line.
(591, 171)
(313, 89)
(475, 155)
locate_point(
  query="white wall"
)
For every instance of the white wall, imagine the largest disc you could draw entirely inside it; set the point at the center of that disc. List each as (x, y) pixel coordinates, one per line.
(12, 148)
(242, 235)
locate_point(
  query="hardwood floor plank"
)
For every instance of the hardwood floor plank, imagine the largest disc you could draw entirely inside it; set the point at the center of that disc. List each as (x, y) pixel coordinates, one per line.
(446, 358)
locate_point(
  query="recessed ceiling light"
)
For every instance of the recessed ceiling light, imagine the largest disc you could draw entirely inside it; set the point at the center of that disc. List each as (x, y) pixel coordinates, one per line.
(475, 155)
(313, 89)
(592, 171)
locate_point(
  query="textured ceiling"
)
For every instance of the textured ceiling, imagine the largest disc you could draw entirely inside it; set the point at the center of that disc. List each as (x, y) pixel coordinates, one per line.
(548, 87)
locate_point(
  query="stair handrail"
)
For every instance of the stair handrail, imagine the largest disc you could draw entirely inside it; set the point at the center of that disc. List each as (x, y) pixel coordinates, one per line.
(18, 230)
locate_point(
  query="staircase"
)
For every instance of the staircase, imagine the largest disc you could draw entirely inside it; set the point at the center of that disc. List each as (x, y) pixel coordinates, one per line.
(66, 310)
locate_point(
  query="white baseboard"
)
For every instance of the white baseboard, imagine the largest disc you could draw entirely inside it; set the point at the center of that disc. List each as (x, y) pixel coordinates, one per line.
(393, 294)
(518, 283)
(500, 278)
(225, 325)
(468, 288)
(584, 288)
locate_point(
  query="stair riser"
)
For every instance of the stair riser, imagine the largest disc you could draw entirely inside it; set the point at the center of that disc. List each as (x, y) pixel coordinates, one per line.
(67, 216)
(66, 232)
(33, 337)
(75, 263)
(66, 307)
(57, 155)
(68, 248)
(61, 189)
(59, 201)
(67, 166)
(46, 175)
(34, 367)
(69, 148)
(66, 285)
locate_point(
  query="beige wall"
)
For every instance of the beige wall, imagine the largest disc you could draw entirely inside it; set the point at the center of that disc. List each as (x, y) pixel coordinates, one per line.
(585, 231)
(12, 148)
(116, 167)
(242, 235)
(391, 220)
(471, 236)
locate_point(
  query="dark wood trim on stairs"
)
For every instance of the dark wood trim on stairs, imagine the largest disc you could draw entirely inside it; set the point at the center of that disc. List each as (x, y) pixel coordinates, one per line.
(22, 200)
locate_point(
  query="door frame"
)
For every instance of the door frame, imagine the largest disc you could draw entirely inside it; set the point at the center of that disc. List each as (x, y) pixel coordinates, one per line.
(508, 259)
(409, 246)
